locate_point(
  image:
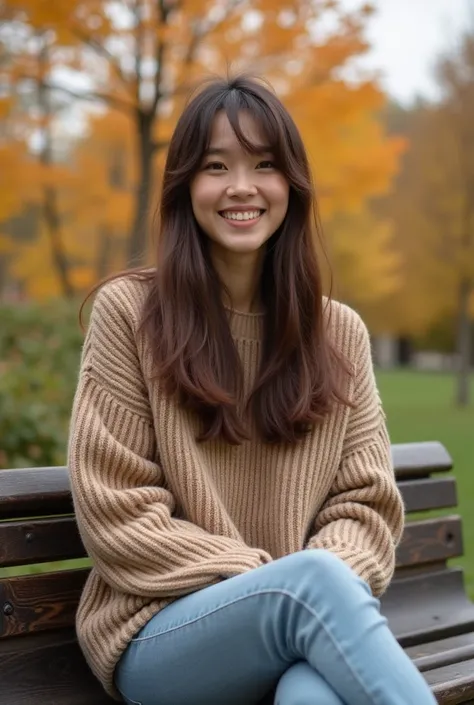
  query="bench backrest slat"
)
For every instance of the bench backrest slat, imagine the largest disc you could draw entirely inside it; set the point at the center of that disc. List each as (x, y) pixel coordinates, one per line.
(430, 541)
(23, 492)
(413, 460)
(39, 602)
(428, 493)
(39, 540)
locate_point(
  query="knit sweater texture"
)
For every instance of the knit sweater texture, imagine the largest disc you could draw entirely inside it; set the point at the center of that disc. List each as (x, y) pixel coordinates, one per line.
(162, 515)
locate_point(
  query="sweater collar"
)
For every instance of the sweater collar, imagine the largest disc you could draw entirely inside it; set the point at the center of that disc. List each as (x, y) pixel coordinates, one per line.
(247, 326)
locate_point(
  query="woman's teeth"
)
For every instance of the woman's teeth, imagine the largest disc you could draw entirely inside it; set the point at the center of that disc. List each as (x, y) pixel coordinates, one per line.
(241, 215)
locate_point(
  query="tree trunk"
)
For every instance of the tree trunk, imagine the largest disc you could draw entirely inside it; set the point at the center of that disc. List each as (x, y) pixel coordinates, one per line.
(104, 252)
(463, 344)
(138, 236)
(51, 217)
(50, 201)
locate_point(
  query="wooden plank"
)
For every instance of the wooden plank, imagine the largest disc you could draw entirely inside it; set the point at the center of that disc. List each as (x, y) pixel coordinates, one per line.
(428, 493)
(26, 542)
(34, 492)
(445, 658)
(47, 668)
(46, 491)
(420, 459)
(430, 541)
(34, 603)
(452, 685)
(440, 646)
(428, 607)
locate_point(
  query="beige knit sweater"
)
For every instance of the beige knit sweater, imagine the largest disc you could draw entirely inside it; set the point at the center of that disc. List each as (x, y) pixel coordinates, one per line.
(162, 515)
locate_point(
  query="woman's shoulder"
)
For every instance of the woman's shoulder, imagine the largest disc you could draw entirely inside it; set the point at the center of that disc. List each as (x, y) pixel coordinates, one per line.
(121, 299)
(345, 326)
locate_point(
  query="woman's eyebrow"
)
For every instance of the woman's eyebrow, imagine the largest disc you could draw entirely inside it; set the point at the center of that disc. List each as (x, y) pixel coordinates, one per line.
(258, 149)
(216, 150)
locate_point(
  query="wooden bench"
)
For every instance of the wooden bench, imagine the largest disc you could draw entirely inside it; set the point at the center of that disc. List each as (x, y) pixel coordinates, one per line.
(40, 662)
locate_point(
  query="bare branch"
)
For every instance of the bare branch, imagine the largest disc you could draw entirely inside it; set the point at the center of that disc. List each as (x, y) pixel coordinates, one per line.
(201, 29)
(205, 27)
(159, 56)
(100, 49)
(94, 96)
(138, 46)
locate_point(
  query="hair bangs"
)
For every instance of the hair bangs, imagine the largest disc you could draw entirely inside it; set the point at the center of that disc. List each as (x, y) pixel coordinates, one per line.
(237, 102)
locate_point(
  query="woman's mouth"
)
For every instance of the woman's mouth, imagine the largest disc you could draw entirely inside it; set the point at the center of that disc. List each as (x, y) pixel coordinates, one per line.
(242, 218)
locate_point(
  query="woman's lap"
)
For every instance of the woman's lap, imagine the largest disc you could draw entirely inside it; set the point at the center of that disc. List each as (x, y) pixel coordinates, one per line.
(234, 641)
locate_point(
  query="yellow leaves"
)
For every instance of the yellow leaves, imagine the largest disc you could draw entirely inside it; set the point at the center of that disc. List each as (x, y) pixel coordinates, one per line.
(365, 260)
(42, 13)
(96, 189)
(430, 210)
(5, 107)
(14, 181)
(32, 264)
(352, 158)
(6, 245)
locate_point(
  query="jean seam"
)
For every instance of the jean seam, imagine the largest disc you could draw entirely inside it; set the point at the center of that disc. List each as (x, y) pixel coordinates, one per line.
(334, 643)
(125, 697)
(265, 591)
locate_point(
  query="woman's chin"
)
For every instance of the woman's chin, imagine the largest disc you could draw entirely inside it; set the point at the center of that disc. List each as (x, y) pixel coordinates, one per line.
(243, 244)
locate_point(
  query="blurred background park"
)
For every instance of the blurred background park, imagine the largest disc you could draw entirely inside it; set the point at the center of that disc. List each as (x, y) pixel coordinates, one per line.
(383, 93)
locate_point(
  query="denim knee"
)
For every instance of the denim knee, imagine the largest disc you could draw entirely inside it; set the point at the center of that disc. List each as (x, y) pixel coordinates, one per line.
(317, 561)
(322, 572)
(302, 685)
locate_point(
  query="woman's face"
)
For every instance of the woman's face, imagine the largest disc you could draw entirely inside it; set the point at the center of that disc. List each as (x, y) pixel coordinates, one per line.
(239, 199)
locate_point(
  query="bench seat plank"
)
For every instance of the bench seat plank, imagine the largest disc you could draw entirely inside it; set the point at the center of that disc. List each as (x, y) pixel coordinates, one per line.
(445, 657)
(47, 668)
(440, 646)
(428, 607)
(453, 684)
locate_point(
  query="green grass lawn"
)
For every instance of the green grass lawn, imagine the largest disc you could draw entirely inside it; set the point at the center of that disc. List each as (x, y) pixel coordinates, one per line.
(420, 407)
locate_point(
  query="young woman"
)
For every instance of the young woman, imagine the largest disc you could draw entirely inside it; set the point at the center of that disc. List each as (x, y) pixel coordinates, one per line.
(229, 458)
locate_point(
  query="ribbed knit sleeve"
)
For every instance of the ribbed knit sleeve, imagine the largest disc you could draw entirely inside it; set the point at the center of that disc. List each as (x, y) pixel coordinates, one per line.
(362, 518)
(123, 508)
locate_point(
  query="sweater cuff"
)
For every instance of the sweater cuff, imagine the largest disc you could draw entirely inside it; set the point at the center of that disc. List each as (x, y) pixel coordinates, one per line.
(361, 561)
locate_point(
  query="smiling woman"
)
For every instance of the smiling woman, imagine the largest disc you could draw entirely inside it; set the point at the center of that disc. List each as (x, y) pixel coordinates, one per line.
(230, 464)
(243, 187)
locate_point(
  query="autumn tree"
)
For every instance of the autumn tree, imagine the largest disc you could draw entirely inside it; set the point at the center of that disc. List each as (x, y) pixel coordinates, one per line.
(95, 199)
(433, 211)
(457, 81)
(145, 55)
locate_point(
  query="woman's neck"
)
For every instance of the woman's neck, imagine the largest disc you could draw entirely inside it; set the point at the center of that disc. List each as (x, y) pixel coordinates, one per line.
(240, 274)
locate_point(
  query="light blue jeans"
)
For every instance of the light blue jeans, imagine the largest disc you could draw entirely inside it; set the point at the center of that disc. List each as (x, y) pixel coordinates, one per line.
(305, 625)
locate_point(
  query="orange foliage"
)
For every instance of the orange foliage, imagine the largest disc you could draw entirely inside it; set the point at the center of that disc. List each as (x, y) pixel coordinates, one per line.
(145, 64)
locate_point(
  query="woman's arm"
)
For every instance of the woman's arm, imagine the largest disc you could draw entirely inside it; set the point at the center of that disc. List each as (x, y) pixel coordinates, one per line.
(124, 512)
(362, 518)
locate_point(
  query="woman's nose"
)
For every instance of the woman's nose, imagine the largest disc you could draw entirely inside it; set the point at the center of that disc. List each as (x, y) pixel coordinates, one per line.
(241, 186)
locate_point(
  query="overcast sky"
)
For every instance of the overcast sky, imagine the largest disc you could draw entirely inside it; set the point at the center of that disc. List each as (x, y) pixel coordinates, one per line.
(407, 35)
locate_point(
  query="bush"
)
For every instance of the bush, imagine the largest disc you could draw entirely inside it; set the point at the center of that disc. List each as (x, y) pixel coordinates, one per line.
(40, 348)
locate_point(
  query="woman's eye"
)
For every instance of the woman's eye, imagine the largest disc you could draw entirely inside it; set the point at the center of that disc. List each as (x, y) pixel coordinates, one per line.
(215, 166)
(267, 164)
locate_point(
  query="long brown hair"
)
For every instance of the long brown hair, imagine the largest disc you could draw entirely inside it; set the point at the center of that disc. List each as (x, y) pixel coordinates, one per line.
(184, 317)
